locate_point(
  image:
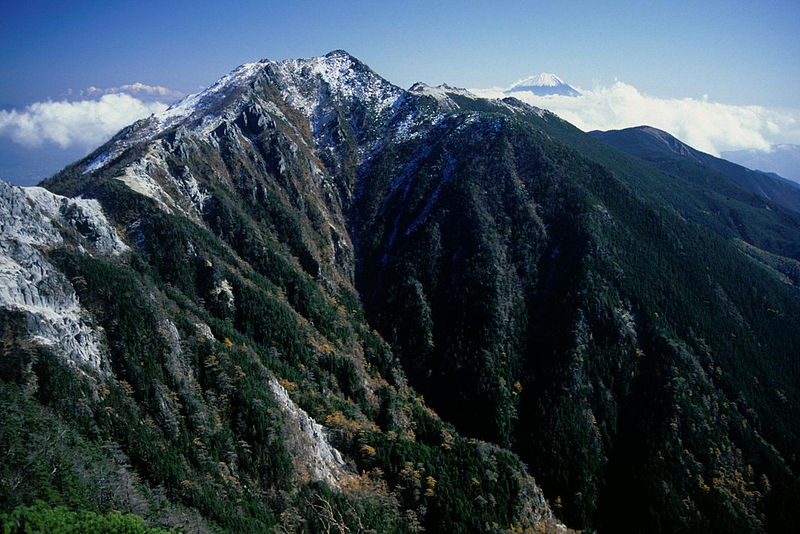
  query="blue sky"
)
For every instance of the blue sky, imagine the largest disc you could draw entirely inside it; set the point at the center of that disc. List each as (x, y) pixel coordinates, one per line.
(737, 53)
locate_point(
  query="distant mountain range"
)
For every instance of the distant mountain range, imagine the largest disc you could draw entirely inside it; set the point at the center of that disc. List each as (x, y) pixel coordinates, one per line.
(783, 160)
(673, 156)
(543, 84)
(308, 300)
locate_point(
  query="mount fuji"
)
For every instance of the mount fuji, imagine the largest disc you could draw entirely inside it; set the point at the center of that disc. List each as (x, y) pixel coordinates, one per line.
(542, 85)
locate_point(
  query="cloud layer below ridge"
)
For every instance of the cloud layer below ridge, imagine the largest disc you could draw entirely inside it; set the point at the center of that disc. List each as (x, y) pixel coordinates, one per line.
(85, 123)
(708, 126)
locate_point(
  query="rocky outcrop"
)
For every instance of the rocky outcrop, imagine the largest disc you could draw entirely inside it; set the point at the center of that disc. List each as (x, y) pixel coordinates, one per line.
(313, 455)
(32, 220)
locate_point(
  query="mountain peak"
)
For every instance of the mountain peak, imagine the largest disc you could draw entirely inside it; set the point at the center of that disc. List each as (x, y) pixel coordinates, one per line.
(329, 67)
(305, 85)
(544, 83)
(656, 141)
(543, 79)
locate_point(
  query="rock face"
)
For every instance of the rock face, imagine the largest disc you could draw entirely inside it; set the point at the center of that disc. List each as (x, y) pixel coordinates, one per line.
(318, 258)
(31, 221)
(310, 446)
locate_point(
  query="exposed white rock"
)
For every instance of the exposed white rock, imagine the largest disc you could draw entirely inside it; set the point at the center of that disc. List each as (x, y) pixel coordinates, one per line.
(224, 291)
(143, 176)
(29, 222)
(311, 451)
(138, 177)
(191, 190)
(204, 330)
(85, 215)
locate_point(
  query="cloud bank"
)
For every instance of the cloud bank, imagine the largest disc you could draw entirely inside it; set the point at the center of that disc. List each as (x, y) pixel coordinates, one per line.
(140, 90)
(708, 126)
(85, 123)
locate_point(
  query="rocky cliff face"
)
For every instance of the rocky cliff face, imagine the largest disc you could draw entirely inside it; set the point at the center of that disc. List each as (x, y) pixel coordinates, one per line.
(312, 248)
(33, 220)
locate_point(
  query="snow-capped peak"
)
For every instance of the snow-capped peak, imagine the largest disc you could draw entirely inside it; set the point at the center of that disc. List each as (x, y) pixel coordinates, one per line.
(344, 76)
(304, 84)
(544, 79)
(543, 84)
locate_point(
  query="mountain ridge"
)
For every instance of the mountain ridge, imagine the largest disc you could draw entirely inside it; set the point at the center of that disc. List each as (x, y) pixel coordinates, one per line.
(783, 159)
(541, 289)
(782, 191)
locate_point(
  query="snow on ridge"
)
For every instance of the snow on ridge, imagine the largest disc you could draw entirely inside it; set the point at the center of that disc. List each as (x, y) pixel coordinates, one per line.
(178, 112)
(440, 92)
(340, 72)
(192, 103)
(98, 162)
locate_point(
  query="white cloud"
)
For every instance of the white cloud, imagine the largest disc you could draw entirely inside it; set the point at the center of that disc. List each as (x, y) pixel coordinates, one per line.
(136, 89)
(708, 126)
(85, 123)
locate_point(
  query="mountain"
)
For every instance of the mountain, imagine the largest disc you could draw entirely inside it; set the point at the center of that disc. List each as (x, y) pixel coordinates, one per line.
(543, 84)
(246, 313)
(183, 340)
(781, 159)
(671, 155)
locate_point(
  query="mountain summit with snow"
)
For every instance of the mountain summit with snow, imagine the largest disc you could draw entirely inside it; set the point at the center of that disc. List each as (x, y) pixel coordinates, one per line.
(543, 84)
